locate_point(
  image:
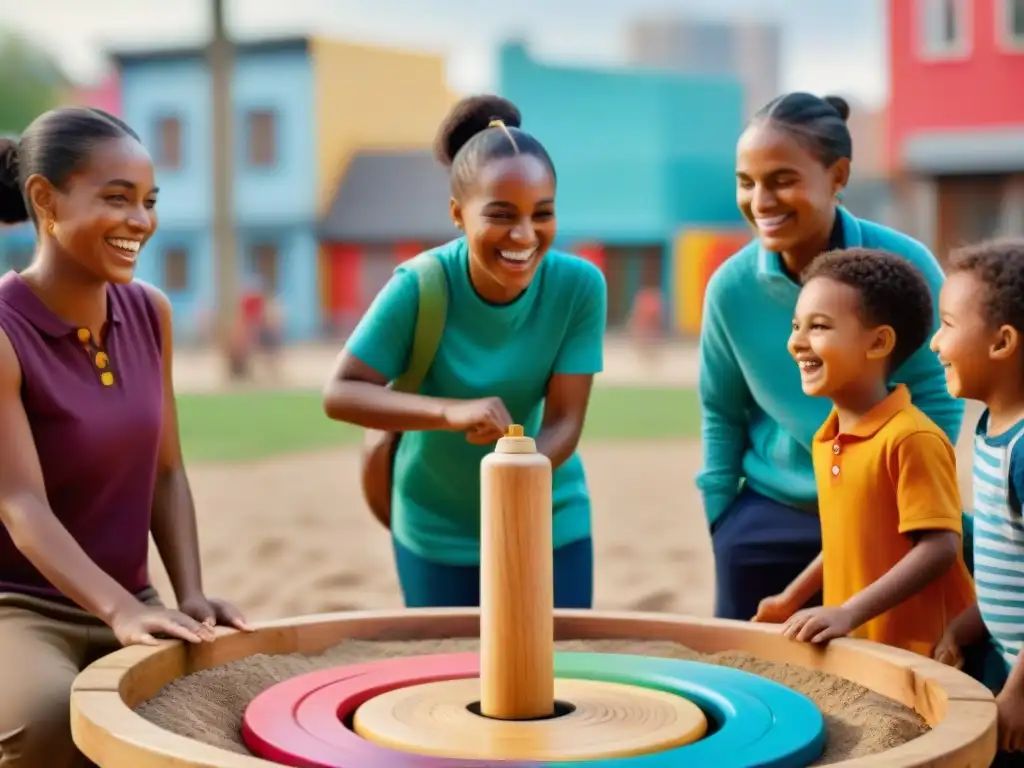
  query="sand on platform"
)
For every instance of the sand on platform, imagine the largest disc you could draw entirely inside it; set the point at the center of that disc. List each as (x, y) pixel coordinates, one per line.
(208, 706)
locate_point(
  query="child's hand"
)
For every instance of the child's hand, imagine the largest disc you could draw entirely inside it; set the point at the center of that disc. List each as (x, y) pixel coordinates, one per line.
(819, 625)
(947, 651)
(774, 610)
(1010, 702)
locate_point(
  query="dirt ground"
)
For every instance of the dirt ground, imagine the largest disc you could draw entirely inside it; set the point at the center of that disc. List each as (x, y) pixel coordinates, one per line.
(290, 535)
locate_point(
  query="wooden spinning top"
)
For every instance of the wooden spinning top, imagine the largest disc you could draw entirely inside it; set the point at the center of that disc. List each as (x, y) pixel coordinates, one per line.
(517, 674)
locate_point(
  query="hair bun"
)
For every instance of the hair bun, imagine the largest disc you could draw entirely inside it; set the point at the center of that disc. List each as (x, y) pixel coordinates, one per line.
(469, 117)
(840, 105)
(12, 202)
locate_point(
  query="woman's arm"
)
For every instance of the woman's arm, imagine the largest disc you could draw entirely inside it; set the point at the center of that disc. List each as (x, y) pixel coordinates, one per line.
(358, 394)
(26, 514)
(565, 410)
(580, 357)
(376, 353)
(173, 522)
(724, 399)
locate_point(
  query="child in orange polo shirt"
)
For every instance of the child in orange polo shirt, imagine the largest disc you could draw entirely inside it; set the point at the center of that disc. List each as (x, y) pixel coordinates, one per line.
(891, 568)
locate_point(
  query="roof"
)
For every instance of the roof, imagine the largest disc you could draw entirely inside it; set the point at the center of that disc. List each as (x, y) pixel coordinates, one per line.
(390, 197)
(998, 149)
(184, 52)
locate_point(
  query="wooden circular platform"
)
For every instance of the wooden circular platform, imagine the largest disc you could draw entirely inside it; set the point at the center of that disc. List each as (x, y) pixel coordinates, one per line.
(608, 720)
(961, 711)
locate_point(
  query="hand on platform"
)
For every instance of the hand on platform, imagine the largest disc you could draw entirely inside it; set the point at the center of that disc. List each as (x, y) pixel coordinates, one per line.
(1010, 702)
(774, 610)
(484, 420)
(818, 625)
(210, 611)
(139, 624)
(948, 650)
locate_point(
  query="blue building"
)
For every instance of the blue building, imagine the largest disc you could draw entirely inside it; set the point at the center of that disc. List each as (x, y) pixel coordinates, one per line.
(166, 99)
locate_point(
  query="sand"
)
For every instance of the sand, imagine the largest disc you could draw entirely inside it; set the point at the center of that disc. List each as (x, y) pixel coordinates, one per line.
(208, 706)
(290, 535)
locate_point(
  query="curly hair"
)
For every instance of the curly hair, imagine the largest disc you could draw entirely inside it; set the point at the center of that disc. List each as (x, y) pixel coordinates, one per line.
(999, 266)
(892, 292)
(479, 129)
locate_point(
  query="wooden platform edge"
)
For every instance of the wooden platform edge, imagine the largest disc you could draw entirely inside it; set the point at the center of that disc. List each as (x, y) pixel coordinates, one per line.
(960, 711)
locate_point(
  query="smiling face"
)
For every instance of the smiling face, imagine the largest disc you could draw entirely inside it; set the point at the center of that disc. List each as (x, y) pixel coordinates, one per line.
(783, 190)
(969, 347)
(508, 215)
(835, 350)
(105, 214)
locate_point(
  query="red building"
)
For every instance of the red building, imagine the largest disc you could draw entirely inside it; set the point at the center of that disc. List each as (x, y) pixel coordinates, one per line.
(955, 134)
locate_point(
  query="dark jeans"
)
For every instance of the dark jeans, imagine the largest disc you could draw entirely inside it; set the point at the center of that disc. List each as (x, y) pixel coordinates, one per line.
(427, 584)
(760, 546)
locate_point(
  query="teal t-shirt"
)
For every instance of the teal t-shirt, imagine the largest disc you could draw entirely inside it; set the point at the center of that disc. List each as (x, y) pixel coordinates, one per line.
(488, 350)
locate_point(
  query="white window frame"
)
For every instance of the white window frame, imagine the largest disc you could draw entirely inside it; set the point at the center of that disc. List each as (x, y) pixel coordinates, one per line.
(1005, 38)
(928, 21)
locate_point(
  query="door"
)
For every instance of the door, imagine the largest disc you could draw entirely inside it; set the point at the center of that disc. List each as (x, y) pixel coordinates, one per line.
(628, 269)
(969, 209)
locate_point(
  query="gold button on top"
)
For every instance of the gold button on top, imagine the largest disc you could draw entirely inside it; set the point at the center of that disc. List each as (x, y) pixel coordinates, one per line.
(107, 378)
(84, 335)
(835, 470)
(102, 360)
(835, 448)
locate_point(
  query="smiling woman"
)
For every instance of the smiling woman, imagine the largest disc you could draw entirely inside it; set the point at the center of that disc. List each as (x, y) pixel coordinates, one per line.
(90, 463)
(522, 336)
(792, 163)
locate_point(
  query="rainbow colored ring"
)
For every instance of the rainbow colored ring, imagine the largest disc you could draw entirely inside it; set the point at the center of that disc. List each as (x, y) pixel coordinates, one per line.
(756, 722)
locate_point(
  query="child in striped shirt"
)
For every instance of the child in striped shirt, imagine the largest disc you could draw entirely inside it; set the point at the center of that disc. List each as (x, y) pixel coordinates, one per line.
(980, 343)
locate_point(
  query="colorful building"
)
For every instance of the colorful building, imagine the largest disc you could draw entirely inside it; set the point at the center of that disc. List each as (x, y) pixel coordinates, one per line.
(642, 156)
(335, 182)
(303, 106)
(958, 157)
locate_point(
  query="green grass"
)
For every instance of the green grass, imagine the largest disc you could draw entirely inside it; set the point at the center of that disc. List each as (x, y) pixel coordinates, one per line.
(244, 426)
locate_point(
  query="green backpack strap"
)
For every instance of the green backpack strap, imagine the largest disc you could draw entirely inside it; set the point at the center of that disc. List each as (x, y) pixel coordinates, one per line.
(430, 319)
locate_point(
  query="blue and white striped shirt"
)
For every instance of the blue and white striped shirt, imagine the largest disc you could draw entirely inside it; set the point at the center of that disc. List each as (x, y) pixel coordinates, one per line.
(998, 481)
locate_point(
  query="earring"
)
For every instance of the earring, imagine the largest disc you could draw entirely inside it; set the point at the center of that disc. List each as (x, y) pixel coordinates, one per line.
(49, 226)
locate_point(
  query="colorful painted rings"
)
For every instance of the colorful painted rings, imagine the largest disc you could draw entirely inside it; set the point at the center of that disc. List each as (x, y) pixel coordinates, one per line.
(752, 721)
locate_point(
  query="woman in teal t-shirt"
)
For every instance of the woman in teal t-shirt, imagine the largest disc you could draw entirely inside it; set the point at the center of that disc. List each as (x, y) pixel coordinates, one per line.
(522, 340)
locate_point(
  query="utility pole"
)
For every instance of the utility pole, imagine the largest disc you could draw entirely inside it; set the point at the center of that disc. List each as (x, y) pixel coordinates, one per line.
(220, 64)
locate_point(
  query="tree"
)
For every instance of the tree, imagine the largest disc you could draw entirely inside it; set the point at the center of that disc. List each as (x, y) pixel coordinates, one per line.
(31, 82)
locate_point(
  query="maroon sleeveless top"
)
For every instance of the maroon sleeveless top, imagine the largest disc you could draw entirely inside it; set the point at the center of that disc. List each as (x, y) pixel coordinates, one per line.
(96, 427)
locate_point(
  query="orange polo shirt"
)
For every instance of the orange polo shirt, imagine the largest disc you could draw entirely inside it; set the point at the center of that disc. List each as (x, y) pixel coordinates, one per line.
(893, 474)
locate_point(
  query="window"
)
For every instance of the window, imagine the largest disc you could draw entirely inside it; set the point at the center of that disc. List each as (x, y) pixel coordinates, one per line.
(175, 269)
(263, 261)
(168, 142)
(19, 257)
(1010, 24)
(944, 28)
(261, 137)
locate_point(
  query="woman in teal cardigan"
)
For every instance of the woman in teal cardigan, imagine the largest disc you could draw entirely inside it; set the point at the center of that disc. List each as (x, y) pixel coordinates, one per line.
(757, 481)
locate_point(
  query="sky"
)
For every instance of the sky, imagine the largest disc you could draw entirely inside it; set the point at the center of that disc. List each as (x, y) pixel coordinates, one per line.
(830, 46)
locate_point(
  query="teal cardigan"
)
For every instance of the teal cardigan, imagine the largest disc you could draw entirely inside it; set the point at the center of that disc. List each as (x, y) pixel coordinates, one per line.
(757, 424)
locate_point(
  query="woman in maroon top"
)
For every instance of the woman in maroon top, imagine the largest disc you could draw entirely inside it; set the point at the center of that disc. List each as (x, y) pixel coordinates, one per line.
(90, 461)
